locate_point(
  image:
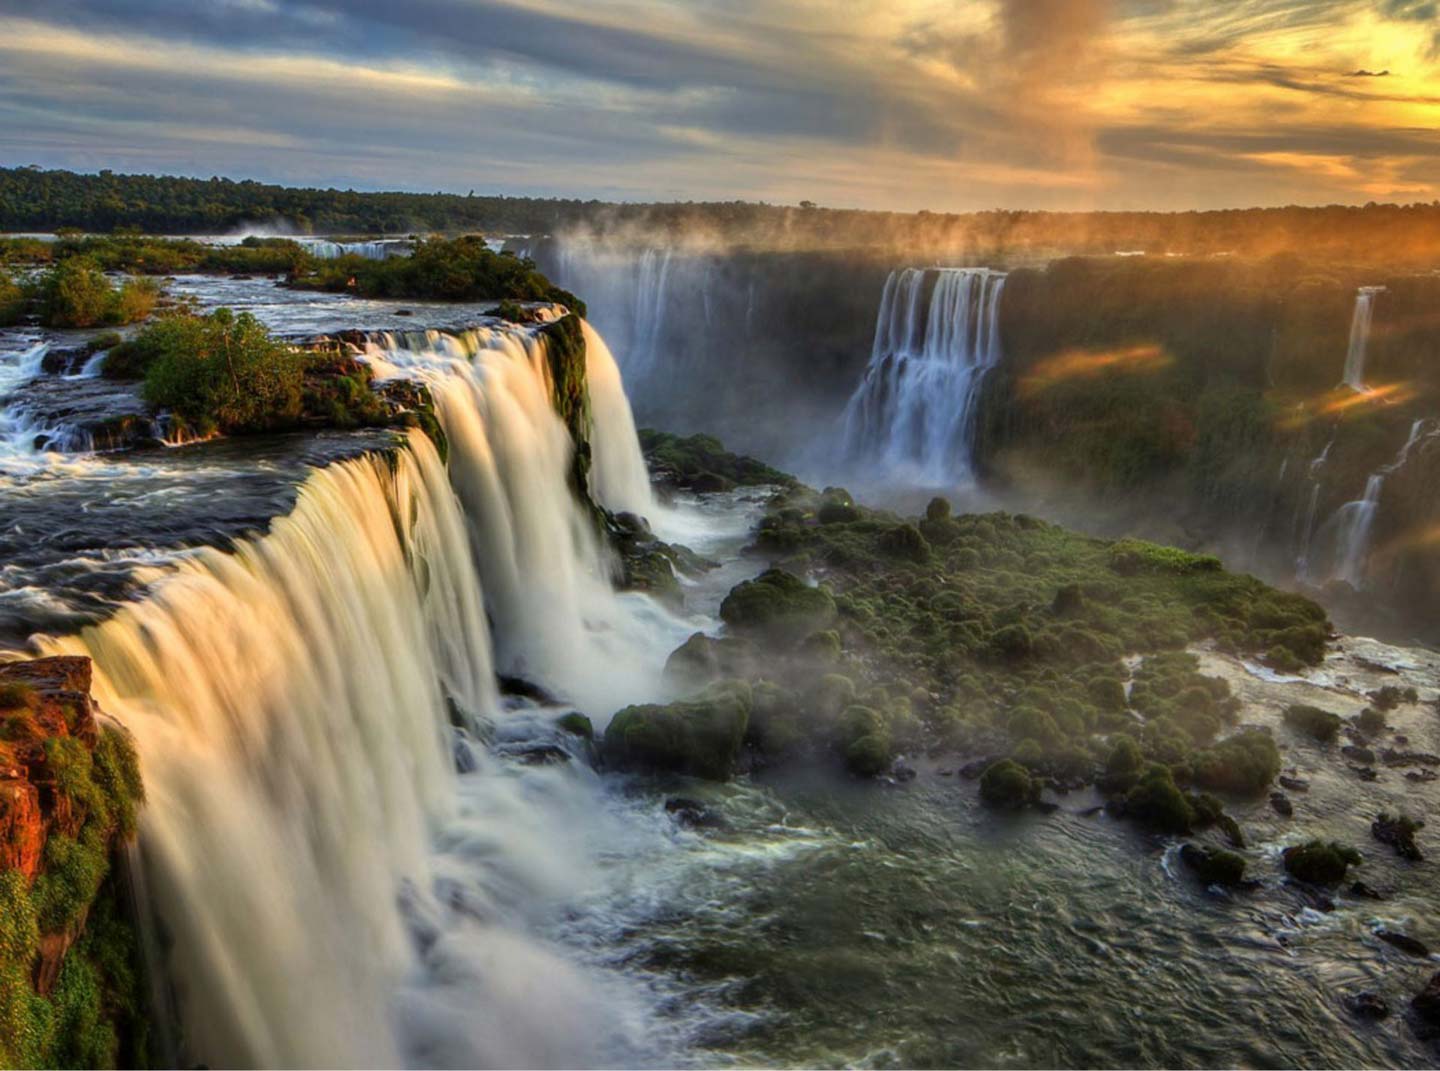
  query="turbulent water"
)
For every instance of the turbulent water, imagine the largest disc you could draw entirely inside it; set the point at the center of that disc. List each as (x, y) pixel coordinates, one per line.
(936, 335)
(354, 855)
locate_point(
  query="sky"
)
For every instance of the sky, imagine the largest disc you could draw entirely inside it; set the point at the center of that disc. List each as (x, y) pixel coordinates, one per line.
(887, 104)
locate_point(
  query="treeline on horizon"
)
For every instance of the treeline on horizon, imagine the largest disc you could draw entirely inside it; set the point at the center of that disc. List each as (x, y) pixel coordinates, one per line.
(32, 199)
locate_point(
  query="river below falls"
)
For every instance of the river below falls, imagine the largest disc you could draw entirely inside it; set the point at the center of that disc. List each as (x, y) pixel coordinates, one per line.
(573, 921)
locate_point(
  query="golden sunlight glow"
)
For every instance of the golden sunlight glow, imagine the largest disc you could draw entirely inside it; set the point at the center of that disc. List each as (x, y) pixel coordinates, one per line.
(1087, 364)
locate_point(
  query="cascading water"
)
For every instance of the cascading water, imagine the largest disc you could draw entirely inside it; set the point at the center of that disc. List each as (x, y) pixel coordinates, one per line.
(1305, 524)
(1354, 376)
(378, 249)
(1352, 526)
(913, 412)
(329, 890)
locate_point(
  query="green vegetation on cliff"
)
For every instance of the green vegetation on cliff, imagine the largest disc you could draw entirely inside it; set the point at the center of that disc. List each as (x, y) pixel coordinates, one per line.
(463, 269)
(70, 989)
(227, 373)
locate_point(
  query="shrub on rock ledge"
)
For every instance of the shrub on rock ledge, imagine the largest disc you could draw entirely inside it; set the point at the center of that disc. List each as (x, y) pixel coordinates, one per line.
(1313, 722)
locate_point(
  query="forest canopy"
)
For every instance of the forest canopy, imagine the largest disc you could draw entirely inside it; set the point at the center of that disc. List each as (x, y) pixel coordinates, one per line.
(35, 199)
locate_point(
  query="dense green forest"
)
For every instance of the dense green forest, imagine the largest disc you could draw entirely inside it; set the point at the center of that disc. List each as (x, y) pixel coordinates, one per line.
(34, 199)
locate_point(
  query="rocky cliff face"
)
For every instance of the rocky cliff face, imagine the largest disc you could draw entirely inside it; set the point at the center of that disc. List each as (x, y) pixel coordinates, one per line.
(69, 790)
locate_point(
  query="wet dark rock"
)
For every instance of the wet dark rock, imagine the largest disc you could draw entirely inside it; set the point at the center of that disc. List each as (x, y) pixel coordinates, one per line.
(1399, 831)
(1046, 806)
(1294, 784)
(1362, 755)
(1366, 892)
(711, 483)
(1421, 776)
(1281, 804)
(523, 689)
(1365, 773)
(1367, 1005)
(1393, 757)
(902, 772)
(692, 814)
(543, 755)
(975, 768)
(1091, 812)
(1405, 943)
(464, 756)
(1425, 1010)
(404, 312)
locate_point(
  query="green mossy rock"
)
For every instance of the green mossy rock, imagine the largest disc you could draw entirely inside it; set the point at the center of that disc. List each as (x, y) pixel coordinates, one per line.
(701, 736)
(1320, 863)
(778, 606)
(576, 724)
(1213, 866)
(1008, 785)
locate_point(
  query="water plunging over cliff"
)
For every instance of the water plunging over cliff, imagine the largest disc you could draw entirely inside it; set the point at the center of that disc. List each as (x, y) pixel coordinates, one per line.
(330, 890)
(1350, 530)
(1354, 376)
(936, 335)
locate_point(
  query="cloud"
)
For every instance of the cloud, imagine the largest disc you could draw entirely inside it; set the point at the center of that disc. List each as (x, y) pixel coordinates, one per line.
(895, 103)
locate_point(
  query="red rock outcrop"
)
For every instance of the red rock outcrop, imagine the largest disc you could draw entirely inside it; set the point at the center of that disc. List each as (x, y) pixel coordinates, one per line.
(40, 700)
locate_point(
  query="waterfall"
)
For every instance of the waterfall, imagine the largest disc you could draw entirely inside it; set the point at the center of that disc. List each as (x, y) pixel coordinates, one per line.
(913, 412)
(1351, 527)
(545, 571)
(289, 703)
(378, 249)
(1354, 376)
(329, 890)
(1305, 524)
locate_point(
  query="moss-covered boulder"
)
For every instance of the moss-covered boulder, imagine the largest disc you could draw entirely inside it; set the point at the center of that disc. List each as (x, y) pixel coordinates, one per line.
(1320, 862)
(1213, 866)
(701, 736)
(778, 606)
(1008, 786)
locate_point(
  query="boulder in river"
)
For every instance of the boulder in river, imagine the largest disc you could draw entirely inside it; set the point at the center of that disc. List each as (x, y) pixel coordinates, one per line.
(1404, 942)
(1399, 831)
(1319, 862)
(1281, 804)
(1425, 1009)
(701, 736)
(1213, 866)
(1367, 1005)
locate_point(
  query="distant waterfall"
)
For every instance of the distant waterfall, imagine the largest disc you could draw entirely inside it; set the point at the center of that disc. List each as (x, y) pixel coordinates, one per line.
(1354, 376)
(331, 892)
(1349, 531)
(377, 249)
(936, 335)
